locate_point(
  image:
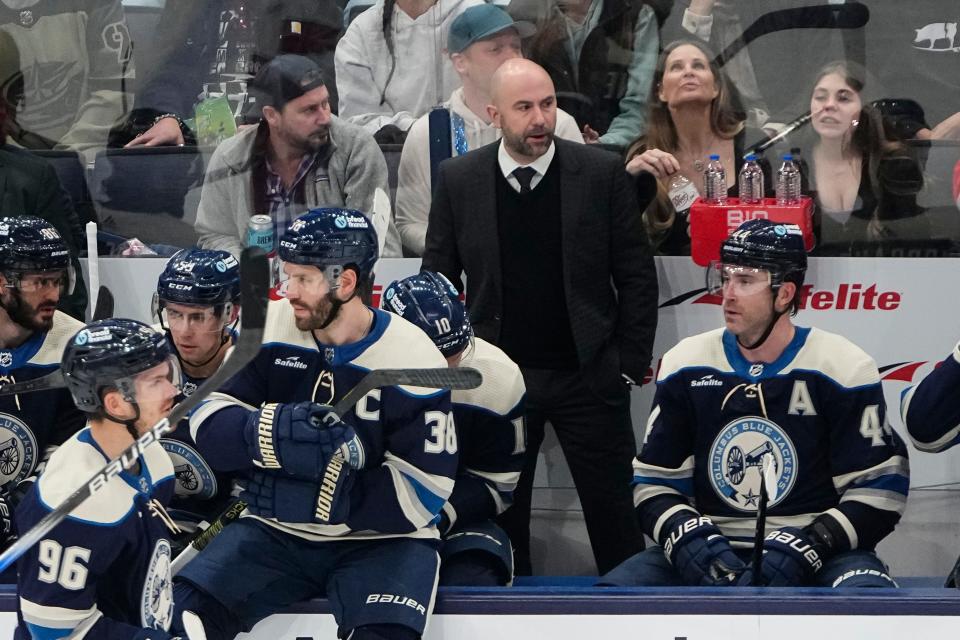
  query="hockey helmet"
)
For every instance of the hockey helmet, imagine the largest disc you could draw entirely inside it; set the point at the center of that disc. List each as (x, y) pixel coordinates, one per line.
(109, 354)
(332, 239)
(431, 302)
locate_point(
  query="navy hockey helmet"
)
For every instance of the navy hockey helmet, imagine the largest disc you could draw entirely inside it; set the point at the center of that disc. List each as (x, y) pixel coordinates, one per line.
(332, 239)
(200, 277)
(29, 243)
(774, 246)
(431, 302)
(108, 354)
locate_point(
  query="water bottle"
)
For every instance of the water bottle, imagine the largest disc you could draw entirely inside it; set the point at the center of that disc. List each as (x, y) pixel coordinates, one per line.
(788, 182)
(751, 181)
(715, 182)
(682, 193)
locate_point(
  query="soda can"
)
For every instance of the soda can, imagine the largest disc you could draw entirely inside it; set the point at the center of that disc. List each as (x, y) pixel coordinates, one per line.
(260, 232)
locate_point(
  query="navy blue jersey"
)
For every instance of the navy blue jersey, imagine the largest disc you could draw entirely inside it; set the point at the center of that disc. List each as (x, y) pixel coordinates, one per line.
(33, 424)
(410, 460)
(104, 572)
(817, 412)
(931, 410)
(202, 493)
(491, 436)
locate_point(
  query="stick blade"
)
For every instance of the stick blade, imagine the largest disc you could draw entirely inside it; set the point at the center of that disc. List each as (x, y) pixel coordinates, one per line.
(104, 308)
(254, 288)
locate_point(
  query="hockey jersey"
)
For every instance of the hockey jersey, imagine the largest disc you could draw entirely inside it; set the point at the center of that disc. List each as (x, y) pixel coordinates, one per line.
(104, 572)
(491, 436)
(817, 414)
(931, 410)
(33, 423)
(410, 458)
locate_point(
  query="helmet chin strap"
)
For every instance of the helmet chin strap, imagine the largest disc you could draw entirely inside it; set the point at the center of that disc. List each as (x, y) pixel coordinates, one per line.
(766, 332)
(129, 423)
(335, 305)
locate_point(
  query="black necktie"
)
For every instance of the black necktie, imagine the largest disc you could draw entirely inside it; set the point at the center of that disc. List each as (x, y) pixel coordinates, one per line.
(524, 175)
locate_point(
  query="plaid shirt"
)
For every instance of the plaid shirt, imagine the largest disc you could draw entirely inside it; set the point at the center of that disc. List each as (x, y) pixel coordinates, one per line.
(282, 203)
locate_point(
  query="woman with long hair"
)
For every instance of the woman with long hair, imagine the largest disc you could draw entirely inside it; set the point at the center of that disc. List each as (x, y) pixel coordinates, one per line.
(863, 181)
(691, 116)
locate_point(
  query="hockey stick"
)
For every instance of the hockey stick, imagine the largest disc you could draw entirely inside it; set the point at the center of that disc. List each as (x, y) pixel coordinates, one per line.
(765, 483)
(104, 304)
(255, 282)
(458, 378)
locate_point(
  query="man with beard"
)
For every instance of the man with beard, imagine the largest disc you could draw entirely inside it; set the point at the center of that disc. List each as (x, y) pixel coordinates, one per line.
(34, 273)
(198, 306)
(340, 506)
(561, 278)
(299, 157)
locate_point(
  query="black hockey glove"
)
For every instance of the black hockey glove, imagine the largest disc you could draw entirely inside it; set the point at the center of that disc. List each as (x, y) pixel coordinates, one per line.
(790, 559)
(8, 533)
(270, 495)
(699, 552)
(300, 439)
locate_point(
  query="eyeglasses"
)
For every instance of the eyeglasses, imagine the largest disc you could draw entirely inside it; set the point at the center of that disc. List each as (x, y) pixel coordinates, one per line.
(737, 280)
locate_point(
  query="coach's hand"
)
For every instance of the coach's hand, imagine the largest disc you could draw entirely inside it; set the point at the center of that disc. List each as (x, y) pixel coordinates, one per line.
(270, 495)
(300, 439)
(699, 552)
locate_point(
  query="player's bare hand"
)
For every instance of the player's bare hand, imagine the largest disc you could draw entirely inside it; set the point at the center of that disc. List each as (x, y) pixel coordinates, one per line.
(165, 132)
(660, 163)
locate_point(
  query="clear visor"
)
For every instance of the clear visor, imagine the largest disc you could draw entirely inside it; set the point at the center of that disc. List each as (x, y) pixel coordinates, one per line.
(33, 281)
(199, 319)
(737, 280)
(159, 383)
(315, 281)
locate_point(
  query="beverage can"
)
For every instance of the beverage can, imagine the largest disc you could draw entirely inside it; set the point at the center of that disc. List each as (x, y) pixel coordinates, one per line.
(260, 232)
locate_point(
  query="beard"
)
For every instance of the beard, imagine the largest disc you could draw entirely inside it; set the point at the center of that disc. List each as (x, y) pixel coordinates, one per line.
(312, 142)
(319, 314)
(28, 316)
(520, 143)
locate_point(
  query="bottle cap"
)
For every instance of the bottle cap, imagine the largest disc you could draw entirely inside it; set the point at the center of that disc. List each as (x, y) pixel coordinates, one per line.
(787, 157)
(714, 156)
(751, 157)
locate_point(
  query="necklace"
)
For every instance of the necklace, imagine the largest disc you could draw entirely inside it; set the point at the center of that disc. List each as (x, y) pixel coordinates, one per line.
(699, 163)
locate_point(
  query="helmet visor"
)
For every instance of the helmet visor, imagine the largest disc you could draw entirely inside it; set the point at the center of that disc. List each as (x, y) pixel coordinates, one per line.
(198, 319)
(61, 280)
(737, 280)
(159, 383)
(300, 279)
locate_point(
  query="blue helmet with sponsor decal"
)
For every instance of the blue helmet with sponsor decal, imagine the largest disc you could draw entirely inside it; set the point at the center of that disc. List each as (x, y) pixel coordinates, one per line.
(29, 243)
(332, 239)
(774, 246)
(200, 277)
(431, 302)
(108, 354)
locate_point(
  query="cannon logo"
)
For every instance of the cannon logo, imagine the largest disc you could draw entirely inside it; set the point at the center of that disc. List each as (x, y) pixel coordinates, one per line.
(18, 449)
(194, 476)
(736, 462)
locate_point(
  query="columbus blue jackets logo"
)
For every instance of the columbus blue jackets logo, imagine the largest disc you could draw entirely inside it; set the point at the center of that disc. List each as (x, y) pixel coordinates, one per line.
(194, 476)
(18, 449)
(737, 459)
(156, 604)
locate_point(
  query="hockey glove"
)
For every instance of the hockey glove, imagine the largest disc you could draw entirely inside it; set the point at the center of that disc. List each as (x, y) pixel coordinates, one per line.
(7, 531)
(699, 552)
(790, 559)
(300, 439)
(269, 495)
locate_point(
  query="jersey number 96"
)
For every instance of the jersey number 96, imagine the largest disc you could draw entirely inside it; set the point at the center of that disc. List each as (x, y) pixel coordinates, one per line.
(63, 566)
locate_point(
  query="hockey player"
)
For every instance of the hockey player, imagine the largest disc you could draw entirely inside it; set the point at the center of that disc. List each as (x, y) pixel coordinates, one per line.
(765, 397)
(361, 532)
(931, 410)
(34, 274)
(490, 433)
(198, 306)
(104, 572)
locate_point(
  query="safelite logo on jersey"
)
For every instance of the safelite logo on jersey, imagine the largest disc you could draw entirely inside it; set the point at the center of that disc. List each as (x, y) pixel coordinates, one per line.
(853, 296)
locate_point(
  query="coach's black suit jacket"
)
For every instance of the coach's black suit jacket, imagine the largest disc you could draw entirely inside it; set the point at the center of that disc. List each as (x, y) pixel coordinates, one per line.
(608, 272)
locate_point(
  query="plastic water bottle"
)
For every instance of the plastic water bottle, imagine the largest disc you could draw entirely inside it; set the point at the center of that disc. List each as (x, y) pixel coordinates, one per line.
(682, 193)
(715, 182)
(751, 181)
(788, 182)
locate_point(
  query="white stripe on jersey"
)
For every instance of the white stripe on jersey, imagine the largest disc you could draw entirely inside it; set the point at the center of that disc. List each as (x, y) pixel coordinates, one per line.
(505, 482)
(79, 620)
(846, 525)
(740, 529)
(214, 402)
(877, 498)
(892, 465)
(669, 513)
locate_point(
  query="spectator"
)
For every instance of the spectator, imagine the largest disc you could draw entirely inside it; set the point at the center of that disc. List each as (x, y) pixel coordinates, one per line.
(76, 61)
(690, 118)
(214, 48)
(600, 55)
(480, 39)
(390, 63)
(299, 157)
(29, 186)
(536, 224)
(864, 183)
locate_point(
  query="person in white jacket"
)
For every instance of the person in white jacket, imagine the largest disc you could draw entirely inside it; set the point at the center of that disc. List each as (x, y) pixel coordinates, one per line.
(390, 64)
(480, 40)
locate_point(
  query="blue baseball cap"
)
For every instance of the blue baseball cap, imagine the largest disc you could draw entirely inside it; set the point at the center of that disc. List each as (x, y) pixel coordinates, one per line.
(481, 22)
